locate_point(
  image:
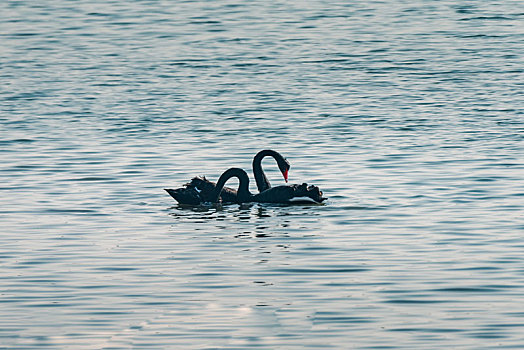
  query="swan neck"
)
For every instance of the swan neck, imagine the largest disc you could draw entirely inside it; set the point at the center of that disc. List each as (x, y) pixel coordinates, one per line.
(243, 193)
(260, 177)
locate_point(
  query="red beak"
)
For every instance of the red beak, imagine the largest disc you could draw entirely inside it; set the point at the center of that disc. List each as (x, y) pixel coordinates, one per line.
(285, 174)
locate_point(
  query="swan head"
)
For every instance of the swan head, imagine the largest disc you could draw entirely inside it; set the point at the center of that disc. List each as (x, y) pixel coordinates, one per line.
(284, 166)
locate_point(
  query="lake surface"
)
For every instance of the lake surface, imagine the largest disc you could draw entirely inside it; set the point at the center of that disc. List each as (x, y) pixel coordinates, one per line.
(407, 114)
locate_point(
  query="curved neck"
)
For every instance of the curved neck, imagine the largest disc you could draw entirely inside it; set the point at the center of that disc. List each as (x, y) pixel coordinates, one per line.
(243, 194)
(260, 177)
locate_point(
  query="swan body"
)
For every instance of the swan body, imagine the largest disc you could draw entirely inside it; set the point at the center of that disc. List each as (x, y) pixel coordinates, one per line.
(279, 194)
(200, 189)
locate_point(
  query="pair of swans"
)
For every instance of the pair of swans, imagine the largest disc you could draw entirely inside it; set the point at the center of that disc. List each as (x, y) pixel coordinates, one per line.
(200, 190)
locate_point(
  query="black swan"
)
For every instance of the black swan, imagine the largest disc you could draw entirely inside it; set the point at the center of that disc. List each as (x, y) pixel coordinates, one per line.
(200, 189)
(279, 194)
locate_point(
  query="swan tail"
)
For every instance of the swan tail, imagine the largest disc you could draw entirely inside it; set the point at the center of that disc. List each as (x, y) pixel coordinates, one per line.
(308, 191)
(200, 190)
(185, 195)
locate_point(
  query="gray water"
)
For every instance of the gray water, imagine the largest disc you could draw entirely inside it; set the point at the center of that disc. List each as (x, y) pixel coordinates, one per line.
(407, 114)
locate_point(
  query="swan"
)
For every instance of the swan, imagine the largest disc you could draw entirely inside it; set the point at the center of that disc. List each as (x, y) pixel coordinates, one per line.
(279, 194)
(200, 189)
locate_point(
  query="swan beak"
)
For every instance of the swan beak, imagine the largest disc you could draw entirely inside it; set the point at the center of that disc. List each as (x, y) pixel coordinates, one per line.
(285, 173)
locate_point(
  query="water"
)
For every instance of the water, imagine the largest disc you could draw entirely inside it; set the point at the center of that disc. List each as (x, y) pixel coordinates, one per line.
(408, 115)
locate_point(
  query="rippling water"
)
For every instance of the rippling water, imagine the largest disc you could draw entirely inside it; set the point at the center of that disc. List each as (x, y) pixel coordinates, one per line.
(408, 115)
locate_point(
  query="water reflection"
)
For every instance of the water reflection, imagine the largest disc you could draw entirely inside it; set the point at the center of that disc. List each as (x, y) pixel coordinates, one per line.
(251, 220)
